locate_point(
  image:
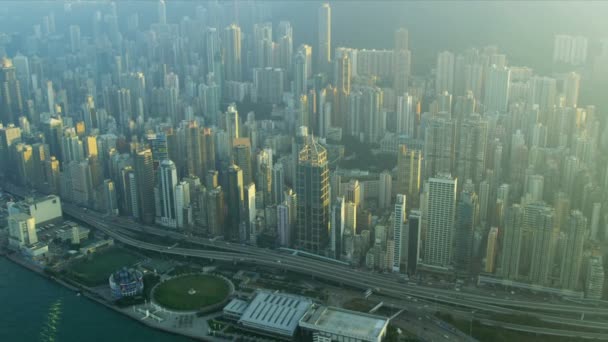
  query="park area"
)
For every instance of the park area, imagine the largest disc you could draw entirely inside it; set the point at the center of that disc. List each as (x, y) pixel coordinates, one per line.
(191, 292)
(94, 269)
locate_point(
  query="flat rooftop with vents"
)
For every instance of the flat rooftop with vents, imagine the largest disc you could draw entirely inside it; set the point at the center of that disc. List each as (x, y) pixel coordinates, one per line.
(336, 324)
(271, 312)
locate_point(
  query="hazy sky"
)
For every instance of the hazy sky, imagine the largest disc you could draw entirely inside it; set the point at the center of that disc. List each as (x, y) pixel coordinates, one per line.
(522, 29)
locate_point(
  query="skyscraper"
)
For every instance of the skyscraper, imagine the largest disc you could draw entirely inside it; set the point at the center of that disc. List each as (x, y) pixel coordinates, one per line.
(242, 158)
(444, 73)
(399, 233)
(569, 49)
(491, 247)
(285, 46)
(300, 76)
(471, 149)
(406, 116)
(209, 146)
(278, 181)
(306, 50)
(572, 85)
(232, 53)
(312, 188)
(572, 258)
(511, 243)
(127, 193)
(324, 37)
(543, 92)
(9, 136)
(74, 38)
(498, 83)
(51, 175)
(162, 12)
(234, 202)
(529, 243)
(439, 145)
(413, 240)
(71, 147)
(262, 45)
(370, 115)
(595, 278)
(268, 85)
(343, 74)
(353, 192)
(144, 175)
(409, 167)
(22, 68)
(385, 189)
(24, 164)
(11, 105)
(212, 45)
(463, 230)
(216, 212)
(338, 219)
(263, 177)
(402, 62)
(183, 209)
(195, 150)
(402, 39)
(250, 214)
(165, 194)
(438, 251)
(232, 123)
(284, 224)
(540, 233)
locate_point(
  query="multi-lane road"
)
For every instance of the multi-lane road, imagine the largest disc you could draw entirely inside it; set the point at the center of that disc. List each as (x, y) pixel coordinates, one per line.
(121, 229)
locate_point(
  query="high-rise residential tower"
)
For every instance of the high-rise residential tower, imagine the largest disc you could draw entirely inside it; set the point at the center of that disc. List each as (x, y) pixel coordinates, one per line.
(444, 74)
(498, 83)
(399, 233)
(235, 198)
(144, 175)
(572, 258)
(438, 250)
(324, 37)
(233, 67)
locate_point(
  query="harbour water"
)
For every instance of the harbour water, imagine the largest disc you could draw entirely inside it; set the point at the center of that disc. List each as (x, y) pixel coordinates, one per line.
(35, 309)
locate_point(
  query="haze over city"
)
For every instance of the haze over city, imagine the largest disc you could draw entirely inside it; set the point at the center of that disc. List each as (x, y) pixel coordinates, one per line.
(303, 170)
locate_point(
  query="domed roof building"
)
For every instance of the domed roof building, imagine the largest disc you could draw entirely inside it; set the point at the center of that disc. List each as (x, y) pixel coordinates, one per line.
(126, 283)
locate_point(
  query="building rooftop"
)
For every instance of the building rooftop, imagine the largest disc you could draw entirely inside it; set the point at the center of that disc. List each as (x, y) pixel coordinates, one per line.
(359, 326)
(278, 313)
(19, 216)
(236, 307)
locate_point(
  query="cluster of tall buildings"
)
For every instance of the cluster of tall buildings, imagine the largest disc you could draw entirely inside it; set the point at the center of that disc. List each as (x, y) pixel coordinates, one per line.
(219, 125)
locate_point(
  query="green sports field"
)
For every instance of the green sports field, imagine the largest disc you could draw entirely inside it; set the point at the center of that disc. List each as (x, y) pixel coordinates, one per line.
(94, 270)
(174, 293)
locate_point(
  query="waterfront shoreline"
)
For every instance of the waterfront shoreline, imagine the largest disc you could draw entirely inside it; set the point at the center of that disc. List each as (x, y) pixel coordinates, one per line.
(93, 297)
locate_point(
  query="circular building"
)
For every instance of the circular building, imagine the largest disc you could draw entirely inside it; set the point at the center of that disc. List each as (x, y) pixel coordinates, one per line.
(126, 283)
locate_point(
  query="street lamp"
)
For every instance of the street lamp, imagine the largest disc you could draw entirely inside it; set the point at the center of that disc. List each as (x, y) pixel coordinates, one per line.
(471, 323)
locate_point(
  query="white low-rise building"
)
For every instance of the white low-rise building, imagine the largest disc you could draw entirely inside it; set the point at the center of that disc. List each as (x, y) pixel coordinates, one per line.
(21, 230)
(73, 233)
(324, 323)
(42, 209)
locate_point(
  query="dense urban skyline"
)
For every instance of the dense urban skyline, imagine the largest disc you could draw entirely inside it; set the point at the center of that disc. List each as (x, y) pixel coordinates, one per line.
(463, 155)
